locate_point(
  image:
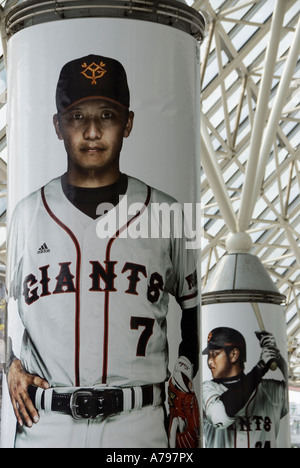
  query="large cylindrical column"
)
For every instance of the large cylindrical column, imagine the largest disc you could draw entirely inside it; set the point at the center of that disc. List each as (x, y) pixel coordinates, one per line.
(245, 368)
(103, 139)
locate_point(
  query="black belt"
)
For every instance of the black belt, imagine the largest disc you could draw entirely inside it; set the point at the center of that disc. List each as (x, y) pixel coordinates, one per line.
(90, 403)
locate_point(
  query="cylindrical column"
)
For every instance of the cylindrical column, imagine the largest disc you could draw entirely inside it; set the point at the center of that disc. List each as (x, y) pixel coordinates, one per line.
(245, 367)
(103, 139)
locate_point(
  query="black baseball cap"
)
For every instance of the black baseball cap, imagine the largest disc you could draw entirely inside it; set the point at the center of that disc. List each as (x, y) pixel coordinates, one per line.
(223, 337)
(92, 77)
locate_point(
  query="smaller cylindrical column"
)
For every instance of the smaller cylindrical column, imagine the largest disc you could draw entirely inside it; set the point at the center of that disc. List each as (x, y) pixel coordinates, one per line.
(245, 369)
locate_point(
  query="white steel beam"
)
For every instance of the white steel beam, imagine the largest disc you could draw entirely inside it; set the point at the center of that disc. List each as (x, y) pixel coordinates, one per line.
(293, 243)
(216, 181)
(245, 212)
(275, 114)
(240, 6)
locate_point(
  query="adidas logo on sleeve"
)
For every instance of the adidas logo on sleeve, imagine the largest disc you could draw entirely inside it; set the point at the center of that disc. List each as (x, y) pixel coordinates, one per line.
(43, 249)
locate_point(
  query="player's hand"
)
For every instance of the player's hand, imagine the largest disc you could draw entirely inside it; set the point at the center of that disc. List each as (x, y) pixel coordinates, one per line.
(184, 410)
(268, 356)
(18, 383)
(182, 376)
(266, 339)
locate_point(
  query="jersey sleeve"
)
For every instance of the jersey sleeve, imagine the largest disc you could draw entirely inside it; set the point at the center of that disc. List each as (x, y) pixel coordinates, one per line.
(213, 407)
(184, 260)
(15, 248)
(19, 231)
(276, 393)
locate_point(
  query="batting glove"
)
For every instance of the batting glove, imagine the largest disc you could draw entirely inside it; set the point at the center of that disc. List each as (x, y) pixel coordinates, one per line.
(184, 410)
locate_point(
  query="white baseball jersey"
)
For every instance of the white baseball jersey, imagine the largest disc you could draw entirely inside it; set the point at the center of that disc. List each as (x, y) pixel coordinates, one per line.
(94, 309)
(255, 426)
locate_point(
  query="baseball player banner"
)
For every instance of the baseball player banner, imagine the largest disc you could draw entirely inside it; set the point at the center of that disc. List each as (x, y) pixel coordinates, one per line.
(103, 305)
(245, 376)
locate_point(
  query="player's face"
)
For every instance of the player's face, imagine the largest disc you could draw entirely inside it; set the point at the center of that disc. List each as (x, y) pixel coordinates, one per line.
(221, 364)
(93, 133)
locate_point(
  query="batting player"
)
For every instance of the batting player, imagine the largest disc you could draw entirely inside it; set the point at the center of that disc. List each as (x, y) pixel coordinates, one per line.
(94, 358)
(242, 410)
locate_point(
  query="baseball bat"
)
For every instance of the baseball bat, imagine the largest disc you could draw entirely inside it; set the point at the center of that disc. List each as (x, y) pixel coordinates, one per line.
(259, 319)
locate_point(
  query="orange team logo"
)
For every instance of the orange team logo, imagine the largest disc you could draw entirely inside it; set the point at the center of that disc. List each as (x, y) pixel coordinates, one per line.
(93, 71)
(209, 337)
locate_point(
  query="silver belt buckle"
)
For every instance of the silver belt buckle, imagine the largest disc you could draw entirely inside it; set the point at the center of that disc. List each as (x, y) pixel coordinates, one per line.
(74, 404)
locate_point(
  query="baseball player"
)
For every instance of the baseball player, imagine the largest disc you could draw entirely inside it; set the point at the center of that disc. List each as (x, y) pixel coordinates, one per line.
(242, 410)
(94, 358)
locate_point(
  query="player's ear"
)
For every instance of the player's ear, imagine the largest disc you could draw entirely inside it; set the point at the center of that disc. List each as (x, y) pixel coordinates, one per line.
(234, 355)
(129, 124)
(56, 124)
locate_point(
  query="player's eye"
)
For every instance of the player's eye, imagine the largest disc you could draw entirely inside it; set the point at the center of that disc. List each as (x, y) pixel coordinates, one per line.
(77, 116)
(107, 115)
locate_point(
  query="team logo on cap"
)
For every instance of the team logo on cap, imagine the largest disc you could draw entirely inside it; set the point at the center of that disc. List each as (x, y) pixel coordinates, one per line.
(93, 71)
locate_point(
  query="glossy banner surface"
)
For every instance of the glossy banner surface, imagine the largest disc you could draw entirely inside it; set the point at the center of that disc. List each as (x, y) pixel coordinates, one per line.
(103, 139)
(245, 376)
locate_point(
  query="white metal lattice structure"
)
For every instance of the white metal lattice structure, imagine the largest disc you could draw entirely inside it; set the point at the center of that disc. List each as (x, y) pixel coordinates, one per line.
(251, 140)
(250, 179)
